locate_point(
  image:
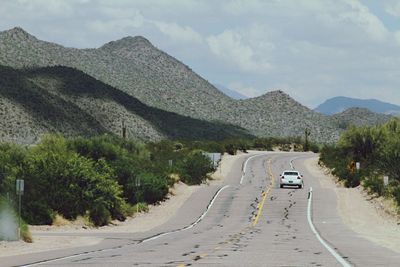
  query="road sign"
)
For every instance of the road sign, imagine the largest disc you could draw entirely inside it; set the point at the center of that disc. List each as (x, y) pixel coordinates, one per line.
(20, 186)
(385, 180)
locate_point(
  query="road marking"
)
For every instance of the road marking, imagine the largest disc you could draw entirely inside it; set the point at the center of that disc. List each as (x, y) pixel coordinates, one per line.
(245, 166)
(191, 225)
(291, 162)
(255, 221)
(339, 258)
(142, 241)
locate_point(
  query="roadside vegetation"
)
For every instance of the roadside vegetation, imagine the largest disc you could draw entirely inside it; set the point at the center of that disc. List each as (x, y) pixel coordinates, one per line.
(377, 149)
(106, 178)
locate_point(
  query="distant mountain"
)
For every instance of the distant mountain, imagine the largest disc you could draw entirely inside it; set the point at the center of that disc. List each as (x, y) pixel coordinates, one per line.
(171, 100)
(339, 104)
(229, 92)
(359, 117)
(277, 114)
(66, 100)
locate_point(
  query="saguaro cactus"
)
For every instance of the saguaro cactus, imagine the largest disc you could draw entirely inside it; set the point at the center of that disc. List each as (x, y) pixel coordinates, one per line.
(123, 129)
(307, 133)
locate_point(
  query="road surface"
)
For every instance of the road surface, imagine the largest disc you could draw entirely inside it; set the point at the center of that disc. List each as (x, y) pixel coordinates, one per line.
(246, 221)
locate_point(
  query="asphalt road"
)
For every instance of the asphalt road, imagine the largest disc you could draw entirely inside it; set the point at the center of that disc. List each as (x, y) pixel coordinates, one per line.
(246, 221)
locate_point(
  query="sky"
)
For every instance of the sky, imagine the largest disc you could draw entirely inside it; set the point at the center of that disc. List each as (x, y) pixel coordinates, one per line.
(311, 49)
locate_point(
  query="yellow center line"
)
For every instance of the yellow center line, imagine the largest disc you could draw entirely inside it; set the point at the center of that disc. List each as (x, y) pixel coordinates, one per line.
(265, 193)
(259, 207)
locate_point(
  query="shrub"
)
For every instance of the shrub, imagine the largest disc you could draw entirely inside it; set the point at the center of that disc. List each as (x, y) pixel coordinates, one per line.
(396, 195)
(59, 180)
(153, 188)
(374, 184)
(195, 167)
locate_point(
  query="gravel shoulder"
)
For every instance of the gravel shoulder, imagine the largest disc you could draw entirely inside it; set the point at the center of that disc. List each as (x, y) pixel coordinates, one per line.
(359, 211)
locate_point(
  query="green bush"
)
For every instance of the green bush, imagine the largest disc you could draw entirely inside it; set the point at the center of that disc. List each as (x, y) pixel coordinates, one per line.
(396, 195)
(59, 180)
(374, 184)
(195, 167)
(153, 188)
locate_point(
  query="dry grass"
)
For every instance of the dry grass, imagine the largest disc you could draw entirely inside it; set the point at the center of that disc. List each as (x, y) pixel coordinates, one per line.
(59, 220)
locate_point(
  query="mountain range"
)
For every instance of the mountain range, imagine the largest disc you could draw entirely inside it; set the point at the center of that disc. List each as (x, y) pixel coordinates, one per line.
(229, 92)
(339, 104)
(87, 91)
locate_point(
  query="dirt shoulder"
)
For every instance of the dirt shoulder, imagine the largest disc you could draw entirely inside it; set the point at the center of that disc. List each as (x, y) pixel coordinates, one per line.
(368, 217)
(142, 222)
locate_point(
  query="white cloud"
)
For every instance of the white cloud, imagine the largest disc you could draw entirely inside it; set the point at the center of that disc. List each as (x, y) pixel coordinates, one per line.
(313, 49)
(178, 33)
(393, 8)
(230, 47)
(136, 20)
(361, 16)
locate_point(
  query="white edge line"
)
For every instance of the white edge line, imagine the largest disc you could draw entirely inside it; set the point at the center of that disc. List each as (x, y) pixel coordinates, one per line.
(142, 241)
(291, 162)
(193, 224)
(245, 166)
(339, 258)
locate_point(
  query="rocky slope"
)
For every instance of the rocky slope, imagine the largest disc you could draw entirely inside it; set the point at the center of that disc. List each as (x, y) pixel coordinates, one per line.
(62, 99)
(359, 117)
(135, 67)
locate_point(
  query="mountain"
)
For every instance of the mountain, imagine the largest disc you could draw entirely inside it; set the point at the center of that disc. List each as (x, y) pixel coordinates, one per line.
(277, 114)
(360, 117)
(231, 93)
(131, 64)
(137, 71)
(339, 104)
(66, 100)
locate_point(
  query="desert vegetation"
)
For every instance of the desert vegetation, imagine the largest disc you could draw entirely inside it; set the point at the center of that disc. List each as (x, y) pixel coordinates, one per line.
(377, 149)
(101, 177)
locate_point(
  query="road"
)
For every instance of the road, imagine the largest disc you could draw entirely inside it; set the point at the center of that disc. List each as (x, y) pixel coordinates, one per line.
(246, 221)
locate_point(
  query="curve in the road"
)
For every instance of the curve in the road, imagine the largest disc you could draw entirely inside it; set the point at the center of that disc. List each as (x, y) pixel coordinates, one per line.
(339, 258)
(143, 240)
(245, 166)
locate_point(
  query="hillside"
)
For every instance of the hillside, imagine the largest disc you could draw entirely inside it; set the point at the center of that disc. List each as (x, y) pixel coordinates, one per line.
(62, 99)
(359, 117)
(229, 92)
(339, 104)
(277, 114)
(132, 66)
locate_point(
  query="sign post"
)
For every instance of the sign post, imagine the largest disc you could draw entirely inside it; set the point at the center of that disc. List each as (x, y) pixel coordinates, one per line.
(385, 180)
(357, 166)
(137, 183)
(20, 191)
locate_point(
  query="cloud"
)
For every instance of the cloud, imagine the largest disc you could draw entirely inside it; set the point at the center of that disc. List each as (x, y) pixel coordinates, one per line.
(178, 33)
(230, 47)
(136, 20)
(312, 49)
(361, 17)
(392, 8)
